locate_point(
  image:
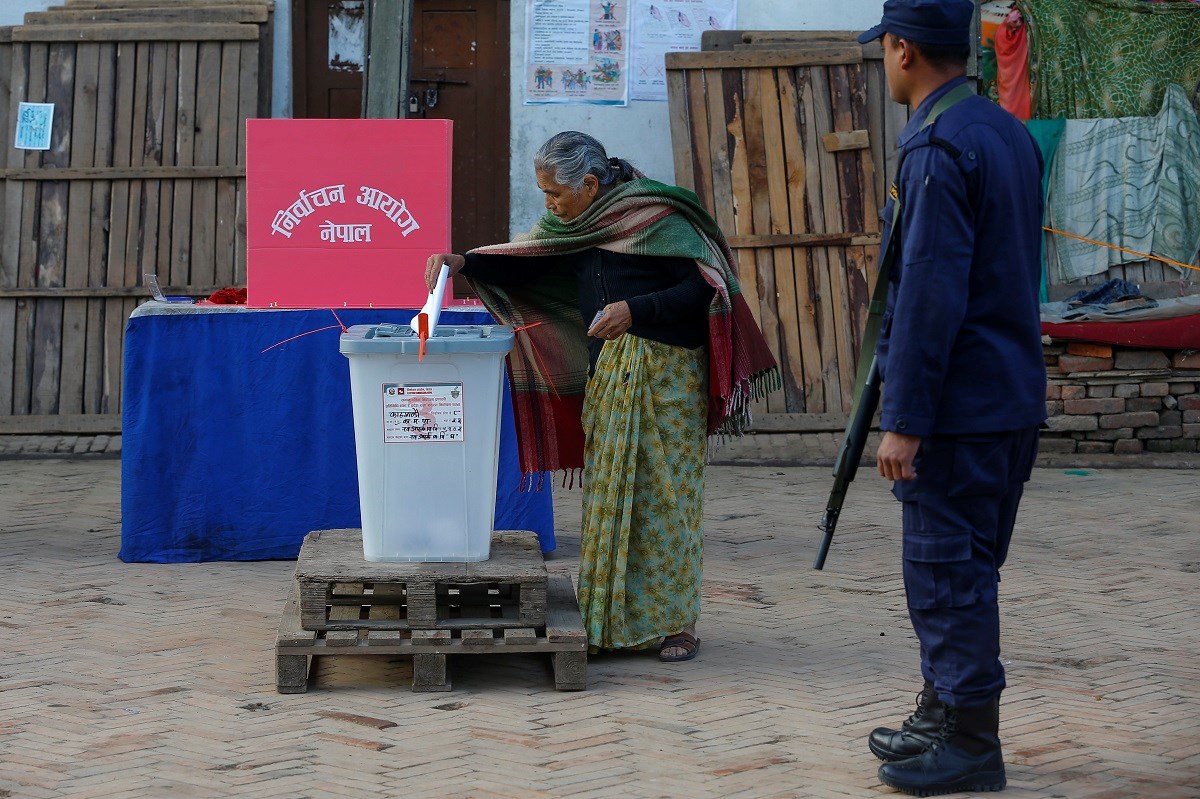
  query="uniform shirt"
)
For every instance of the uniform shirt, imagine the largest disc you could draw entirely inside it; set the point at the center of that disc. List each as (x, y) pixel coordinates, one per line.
(960, 341)
(668, 297)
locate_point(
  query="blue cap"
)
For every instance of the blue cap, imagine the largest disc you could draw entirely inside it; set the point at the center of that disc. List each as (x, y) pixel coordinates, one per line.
(937, 22)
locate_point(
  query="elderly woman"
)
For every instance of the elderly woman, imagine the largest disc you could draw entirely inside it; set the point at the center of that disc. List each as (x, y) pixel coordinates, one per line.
(634, 346)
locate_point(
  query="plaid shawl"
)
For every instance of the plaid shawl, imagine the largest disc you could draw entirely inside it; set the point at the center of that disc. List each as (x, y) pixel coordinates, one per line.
(548, 366)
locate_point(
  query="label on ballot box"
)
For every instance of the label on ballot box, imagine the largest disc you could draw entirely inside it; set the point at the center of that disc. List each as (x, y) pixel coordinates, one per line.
(414, 413)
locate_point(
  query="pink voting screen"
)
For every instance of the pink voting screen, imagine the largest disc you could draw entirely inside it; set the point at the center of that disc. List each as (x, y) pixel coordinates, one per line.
(343, 213)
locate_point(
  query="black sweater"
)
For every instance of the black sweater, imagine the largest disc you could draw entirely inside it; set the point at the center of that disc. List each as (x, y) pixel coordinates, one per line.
(668, 298)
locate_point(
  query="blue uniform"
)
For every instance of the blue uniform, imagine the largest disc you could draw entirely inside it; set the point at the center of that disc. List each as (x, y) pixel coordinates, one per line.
(961, 361)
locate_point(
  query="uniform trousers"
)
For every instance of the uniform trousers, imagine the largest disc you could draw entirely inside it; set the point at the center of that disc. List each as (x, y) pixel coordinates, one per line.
(958, 517)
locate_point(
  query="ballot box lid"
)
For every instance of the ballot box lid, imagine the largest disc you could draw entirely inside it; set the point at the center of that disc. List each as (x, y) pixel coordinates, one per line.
(391, 339)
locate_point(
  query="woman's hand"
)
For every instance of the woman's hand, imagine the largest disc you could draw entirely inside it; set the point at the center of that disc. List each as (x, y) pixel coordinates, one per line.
(614, 320)
(434, 265)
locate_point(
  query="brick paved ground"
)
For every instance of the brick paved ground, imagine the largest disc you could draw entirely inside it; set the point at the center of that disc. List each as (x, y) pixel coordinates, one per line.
(792, 449)
(140, 680)
(87, 446)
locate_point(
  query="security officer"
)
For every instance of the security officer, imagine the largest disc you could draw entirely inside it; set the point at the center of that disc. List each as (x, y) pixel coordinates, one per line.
(963, 386)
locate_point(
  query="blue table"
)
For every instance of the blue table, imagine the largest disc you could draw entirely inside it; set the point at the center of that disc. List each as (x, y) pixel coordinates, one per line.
(232, 453)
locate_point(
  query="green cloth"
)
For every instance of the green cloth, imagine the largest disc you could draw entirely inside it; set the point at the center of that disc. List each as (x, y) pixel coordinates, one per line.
(1132, 183)
(1109, 58)
(1047, 133)
(641, 553)
(989, 69)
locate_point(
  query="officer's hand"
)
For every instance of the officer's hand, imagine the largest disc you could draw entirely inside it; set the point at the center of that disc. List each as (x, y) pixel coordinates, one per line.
(896, 454)
(434, 265)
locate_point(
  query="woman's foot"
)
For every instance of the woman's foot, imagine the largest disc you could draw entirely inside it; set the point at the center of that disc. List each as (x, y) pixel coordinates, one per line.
(680, 646)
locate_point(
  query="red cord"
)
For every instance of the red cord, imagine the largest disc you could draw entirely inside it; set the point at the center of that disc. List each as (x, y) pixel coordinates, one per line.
(293, 338)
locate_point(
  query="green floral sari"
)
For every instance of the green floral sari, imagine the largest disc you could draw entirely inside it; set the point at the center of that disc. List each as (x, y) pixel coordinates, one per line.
(642, 546)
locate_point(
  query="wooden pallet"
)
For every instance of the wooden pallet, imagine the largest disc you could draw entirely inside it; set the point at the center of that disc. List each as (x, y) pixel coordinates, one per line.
(342, 604)
(341, 590)
(562, 637)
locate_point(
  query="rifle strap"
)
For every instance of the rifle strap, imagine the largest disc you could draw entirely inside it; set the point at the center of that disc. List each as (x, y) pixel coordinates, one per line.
(891, 251)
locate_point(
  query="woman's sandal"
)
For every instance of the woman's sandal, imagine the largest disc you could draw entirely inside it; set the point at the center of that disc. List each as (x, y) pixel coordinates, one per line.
(685, 641)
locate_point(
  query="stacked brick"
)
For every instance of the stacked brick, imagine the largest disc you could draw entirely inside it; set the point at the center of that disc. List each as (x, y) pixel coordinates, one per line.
(1103, 399)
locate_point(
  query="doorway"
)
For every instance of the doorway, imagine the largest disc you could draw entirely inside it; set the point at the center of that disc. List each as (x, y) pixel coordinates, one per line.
(327, 58)
(458, 70)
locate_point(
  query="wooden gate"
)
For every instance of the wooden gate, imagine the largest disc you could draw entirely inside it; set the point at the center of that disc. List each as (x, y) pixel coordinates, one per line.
(145, 174)
(782, 146)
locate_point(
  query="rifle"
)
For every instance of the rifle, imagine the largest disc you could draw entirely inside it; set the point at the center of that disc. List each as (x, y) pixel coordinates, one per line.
(866, 393)
(848, 457)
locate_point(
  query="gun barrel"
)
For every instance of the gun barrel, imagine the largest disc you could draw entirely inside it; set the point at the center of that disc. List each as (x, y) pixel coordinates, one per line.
(828, 525)
(849, 456)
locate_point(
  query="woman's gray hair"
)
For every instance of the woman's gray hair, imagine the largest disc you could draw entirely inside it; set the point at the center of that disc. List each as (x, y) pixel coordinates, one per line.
(570, 156)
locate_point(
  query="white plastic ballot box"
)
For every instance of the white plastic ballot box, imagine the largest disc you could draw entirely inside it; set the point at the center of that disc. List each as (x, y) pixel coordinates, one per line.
(427, 434)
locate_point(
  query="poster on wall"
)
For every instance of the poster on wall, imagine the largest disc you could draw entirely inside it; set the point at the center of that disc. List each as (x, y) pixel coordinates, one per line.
(670, 26)
(576, 51)
(343, 213)
(35, 121)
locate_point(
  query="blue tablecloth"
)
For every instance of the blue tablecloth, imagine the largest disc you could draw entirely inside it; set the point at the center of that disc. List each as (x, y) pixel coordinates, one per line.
(230, 453)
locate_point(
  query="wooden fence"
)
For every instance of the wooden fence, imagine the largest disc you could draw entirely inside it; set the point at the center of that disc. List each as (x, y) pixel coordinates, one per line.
(782, 146)
(145, 175)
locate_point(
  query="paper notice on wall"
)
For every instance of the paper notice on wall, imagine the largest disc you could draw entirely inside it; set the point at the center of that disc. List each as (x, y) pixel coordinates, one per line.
(666, 26)
(576, 51)
(35, 121)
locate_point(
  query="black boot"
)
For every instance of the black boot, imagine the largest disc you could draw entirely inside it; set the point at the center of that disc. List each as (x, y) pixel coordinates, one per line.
(915, 734)
(965, 756)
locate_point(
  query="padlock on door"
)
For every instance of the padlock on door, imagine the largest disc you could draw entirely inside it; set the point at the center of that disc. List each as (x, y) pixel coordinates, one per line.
(414, 104)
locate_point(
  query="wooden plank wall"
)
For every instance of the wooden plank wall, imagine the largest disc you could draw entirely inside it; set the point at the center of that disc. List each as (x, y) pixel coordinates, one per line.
(9, 197)
(146, 174)
(200, 12)
(781, 145)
